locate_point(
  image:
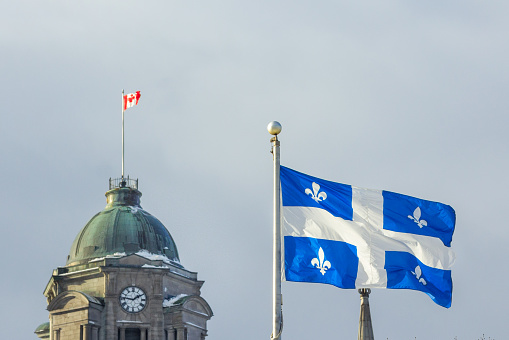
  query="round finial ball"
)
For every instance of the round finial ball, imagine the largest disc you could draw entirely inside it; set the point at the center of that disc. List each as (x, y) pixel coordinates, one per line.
(274, 128)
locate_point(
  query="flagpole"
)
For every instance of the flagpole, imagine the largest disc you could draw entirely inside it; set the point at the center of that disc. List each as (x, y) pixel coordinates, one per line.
(122, 135)
(274, 129)
(365, 324)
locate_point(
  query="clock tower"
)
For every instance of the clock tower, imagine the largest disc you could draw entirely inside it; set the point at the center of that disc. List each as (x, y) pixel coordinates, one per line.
(123, 280)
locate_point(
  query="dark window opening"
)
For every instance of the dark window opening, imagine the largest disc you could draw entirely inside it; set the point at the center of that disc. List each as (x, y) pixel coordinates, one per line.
(132, 334)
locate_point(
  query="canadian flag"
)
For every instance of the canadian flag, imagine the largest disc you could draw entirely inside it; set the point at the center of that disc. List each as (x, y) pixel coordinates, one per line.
(131, 99)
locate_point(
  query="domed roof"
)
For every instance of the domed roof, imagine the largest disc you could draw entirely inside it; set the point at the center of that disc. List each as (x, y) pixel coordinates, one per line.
(122, 227)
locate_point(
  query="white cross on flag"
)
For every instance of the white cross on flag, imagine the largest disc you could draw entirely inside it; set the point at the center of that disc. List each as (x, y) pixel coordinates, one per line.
(351, 237)
(131, 99)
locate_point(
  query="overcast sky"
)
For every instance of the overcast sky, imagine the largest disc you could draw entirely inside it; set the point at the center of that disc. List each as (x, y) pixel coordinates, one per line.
(406, 96)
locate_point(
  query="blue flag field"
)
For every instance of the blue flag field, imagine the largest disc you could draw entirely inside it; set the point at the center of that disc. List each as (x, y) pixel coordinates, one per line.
(352, 237)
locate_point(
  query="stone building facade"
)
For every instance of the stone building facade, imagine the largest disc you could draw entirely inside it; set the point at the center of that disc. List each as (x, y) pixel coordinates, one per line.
(123, 280)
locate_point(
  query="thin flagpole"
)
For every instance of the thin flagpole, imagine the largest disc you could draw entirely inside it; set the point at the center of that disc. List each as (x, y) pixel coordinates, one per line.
(277, 325)
(122, 135)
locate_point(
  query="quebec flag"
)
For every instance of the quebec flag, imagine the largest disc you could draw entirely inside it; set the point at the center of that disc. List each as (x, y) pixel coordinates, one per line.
(351, 237)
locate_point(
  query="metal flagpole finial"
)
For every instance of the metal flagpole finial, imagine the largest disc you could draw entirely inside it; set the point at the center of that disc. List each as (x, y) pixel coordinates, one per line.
(274, 128)
(364, 291)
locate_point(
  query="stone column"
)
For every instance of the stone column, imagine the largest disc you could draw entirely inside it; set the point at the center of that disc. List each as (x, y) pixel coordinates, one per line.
(365, 325)
(180, 333)
(143, 334)
(110, 300)
(156, 329)
(122, 333)
(86, 332)
(95, 333)
(170, 334)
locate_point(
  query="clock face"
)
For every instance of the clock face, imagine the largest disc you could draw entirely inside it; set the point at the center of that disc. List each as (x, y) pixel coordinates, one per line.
(133, 299)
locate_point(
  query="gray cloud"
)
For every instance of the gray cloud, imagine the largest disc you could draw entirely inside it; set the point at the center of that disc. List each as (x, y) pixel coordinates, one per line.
(408, 97)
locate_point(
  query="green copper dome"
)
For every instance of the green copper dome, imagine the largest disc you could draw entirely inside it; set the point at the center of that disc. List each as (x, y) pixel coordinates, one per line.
(122, 227)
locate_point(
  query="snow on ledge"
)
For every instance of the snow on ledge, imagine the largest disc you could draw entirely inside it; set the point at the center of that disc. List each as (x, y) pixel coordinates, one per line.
(151, 266)
(171, 302)
(143, 253)
(114, 256)
(78, 271)
(156, 257)
(134, 209)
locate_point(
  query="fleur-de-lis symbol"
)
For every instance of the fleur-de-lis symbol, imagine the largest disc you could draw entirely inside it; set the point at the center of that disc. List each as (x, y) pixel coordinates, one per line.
(315, 194)
(320, 263)
(417, 218)
(418, 273)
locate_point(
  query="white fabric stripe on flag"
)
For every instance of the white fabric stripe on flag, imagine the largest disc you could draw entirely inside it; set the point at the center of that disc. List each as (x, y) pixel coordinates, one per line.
(318, 223)
(367, 207)
(371, 241)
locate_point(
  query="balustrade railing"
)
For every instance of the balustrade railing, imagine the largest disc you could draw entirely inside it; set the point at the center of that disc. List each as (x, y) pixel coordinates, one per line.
(125, 182)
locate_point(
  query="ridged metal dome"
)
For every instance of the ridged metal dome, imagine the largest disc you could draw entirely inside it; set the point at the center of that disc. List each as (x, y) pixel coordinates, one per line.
(122, 227)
